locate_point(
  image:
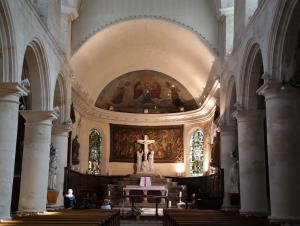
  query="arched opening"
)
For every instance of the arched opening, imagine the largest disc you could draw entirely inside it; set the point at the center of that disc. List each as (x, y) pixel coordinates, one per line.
(95, 151)
(59, 99)
(34, 69)
(196, 157)
(252, 132)
(7, 54)
(24, 105)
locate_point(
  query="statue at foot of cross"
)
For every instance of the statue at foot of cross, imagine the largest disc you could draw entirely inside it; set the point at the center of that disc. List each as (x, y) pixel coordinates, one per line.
(146, 166)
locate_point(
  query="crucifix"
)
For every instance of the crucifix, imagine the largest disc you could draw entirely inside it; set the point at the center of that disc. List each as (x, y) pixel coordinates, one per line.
(145, 166)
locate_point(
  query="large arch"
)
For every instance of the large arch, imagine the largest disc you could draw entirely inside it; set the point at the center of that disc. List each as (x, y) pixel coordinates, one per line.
(139, 44)
(7, 43)
(60, 98)
(38, 75)
(283, 40)
(252, 70)
(230, 101)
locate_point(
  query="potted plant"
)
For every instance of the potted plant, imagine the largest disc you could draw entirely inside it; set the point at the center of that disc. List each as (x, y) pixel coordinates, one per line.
(137, 212)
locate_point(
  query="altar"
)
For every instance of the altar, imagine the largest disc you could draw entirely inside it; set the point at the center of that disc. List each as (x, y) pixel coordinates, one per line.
(163, 191)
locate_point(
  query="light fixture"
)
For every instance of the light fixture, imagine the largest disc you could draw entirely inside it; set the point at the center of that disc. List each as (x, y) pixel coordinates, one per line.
(180, 168)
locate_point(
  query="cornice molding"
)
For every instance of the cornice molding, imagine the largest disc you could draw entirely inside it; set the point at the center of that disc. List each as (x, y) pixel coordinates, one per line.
(86, 108)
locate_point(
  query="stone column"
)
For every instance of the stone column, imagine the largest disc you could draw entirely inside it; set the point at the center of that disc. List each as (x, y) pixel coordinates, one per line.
(59, 139)
(35, 167)
(9, 110)
(253, 185)
(228, 144)
(283, 129)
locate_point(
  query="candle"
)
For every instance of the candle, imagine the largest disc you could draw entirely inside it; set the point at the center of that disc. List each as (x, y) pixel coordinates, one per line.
(108, 193)
(170, 204)
(180, 194)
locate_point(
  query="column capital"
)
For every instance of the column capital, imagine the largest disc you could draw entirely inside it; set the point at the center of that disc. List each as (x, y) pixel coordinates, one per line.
(62, 129)
(12, 89)
(39, 117)
(248, 115)
(273, 90)
(228, 11)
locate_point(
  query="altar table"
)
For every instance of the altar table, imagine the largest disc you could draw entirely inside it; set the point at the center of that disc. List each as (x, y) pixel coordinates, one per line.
(163, 191)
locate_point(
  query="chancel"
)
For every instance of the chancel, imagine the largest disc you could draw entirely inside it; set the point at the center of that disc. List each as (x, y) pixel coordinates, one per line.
(182, 112)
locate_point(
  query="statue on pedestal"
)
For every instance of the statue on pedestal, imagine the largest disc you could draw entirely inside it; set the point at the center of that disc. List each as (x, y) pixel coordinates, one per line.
(75, 151)
(52, 168)
(147, 165)
(234, 172)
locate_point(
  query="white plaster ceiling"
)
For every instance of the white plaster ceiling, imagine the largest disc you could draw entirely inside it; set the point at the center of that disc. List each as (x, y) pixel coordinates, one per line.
(142, 44)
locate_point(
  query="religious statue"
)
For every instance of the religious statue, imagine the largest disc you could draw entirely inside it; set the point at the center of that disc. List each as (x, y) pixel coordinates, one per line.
(234, 177)
(146, 163)
(151, 161)
(234, 172)
(52, 169)
(139, 161)
(75, 151)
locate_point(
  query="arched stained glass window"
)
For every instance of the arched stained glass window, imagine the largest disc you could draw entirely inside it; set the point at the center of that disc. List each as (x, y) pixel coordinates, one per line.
(196, 153)
(95, 151)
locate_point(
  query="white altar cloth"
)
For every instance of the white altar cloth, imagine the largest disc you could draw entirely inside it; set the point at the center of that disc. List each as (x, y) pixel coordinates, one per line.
(163, 190)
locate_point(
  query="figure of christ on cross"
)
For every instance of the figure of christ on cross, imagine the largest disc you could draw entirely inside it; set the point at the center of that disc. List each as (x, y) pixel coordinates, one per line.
(145, 164)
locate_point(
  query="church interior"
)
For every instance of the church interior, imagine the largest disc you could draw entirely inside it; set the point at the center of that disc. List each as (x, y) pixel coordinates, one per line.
(166, 112)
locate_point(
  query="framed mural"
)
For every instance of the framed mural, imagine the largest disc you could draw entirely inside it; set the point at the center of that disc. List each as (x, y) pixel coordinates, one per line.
(168, 146)
(138, 90)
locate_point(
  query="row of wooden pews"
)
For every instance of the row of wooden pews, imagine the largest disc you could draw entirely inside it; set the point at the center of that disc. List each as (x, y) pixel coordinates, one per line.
(193, 217)
(95, 217)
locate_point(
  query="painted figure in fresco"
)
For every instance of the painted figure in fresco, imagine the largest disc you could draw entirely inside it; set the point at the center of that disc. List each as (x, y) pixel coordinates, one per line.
(175, 97)
(138, 90)
(120, 91)
(147, 97)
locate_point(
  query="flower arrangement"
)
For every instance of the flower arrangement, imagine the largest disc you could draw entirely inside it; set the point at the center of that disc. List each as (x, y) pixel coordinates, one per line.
(135, 211)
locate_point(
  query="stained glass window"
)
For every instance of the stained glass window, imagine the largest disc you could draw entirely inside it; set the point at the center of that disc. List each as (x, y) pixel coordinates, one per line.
(196, 153)
(95, 152)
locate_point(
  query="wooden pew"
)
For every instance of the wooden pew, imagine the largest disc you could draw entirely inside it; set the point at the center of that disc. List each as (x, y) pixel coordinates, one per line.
(68, 217)
(175, 217)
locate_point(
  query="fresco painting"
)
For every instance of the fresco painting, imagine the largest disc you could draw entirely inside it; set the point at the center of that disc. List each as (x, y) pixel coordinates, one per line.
(135, 91)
